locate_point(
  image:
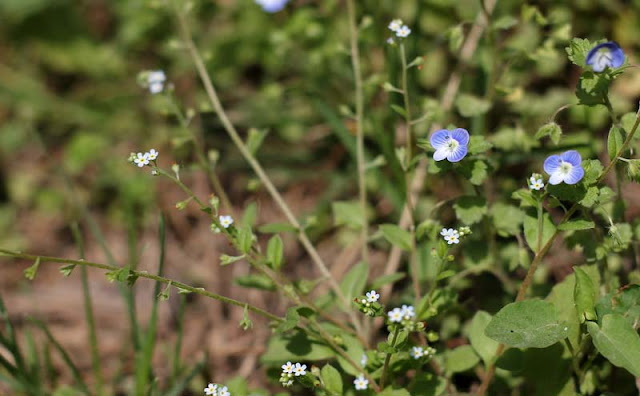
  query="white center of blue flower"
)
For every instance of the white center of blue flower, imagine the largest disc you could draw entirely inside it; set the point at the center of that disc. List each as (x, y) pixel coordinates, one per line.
(452, 145)
(565, 168)
(604, 58)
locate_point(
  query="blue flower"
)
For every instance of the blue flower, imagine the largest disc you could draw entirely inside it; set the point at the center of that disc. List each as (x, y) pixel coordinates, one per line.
(451, 145)
(272, 5)
(605, 55)
(565, 167)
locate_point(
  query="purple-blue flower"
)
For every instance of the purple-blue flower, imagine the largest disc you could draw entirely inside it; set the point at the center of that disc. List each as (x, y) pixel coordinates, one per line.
(605, 55)
(272, 5)
(451, 145)
(565, 167)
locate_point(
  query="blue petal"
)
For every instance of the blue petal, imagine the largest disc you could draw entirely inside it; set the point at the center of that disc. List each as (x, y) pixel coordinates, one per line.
(461, 135)
(617, 56)
(272, 5)
(572, 157)
(576, 174)
(440, 138)
(458, 154)
(552, 163)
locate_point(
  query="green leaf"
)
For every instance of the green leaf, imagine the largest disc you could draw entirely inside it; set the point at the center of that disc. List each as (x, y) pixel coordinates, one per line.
(584, 295)
(455, 35)
(471, 106)
(592, 171)
(592, 88)
(525, 197)
(552, 130)
(615, 140)
(290, 321)
(527, 324)
(505, 22)
(255, 281)
(348, 213)
(617, 341)
(470, 209)
(30, 273)
(531, 229)
(331, 379)
(575, 225)
(390, 391)
(255, 139)
(353, 349)
(483, 345)
(507, 219)
(275, 228)
(354, 281)
(386, 279)
(399, 109)
(460, 359)
(396, 236)
(245, 239)
(226, 259)
(295, 346)
(67, 269)
(577, 51)
(429, 384)
(625, 302)
(275, 249)
(478, 145)
(474, 171)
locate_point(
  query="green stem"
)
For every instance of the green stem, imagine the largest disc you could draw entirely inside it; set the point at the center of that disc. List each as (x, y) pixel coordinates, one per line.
(88, 312)
(362, 188)
(387, 358)
(257, 168)
(539, 255)
(144, 274)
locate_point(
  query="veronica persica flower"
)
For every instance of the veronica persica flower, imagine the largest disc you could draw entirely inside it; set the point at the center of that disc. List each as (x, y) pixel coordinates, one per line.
(565, 167)
(451, 145)
(272, 5)
(605, 55)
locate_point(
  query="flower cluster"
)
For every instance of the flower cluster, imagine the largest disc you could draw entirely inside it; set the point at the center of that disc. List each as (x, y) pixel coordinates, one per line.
(535, 182)
(272, 5)
(290, 371)
(566, 167)
(361, 383)
(141, 159)
(398, 315)
(450, 145)
(419, 352)
(605, 55)
(399, 28)
(369, 305)
(216, 390)
(452, 236)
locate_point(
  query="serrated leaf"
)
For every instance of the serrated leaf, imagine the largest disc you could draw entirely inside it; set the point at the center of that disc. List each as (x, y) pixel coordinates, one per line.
(550, 129)
(584, 295)
(396, 236)
(275, 250)
(478, 145)
(592, 88)
(527, 324)
(617, 341)
(470, 209)
(331, 379)
(615, 140)
(475, 171)
(577, 224)
(471, 106)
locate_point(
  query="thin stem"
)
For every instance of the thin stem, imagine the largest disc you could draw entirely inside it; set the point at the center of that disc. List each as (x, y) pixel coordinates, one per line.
(362, 188)
(144, 274)
(539, 255)
(257, 168)
(88, 312)
(387, 358)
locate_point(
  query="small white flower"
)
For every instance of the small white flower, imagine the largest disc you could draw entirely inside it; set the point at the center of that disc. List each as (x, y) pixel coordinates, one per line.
(224, 391)
(300, 369)
(404, 31)
(395, 25)
(535, 182)
(225, 221)
(408, 312)
(211, 390)
(361, 383)
(417, 352)
(152, 154)
(141, 159)
(372, 296)
(156, 80)
(395, 315)
(363, 360)
(287, 368)
(450, 235)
